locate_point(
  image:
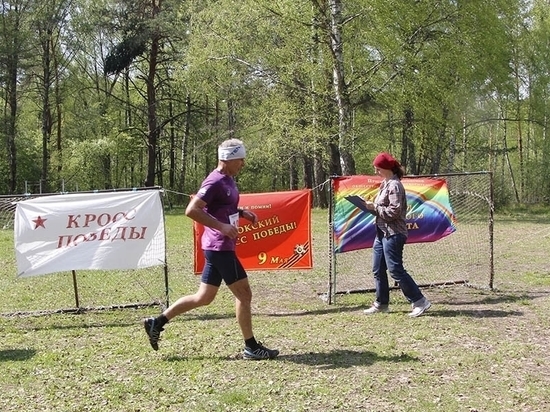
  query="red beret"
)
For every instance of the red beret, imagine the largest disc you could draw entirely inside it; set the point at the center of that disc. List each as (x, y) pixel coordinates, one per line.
(385, 161)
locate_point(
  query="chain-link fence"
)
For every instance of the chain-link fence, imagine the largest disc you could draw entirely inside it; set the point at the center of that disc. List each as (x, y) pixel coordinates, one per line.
(464, 257)
(77, 290)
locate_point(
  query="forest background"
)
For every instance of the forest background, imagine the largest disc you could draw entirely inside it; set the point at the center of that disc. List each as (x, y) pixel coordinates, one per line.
(110, 94)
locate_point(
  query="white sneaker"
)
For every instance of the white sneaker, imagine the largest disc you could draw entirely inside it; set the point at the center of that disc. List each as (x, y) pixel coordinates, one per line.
(376, 308)
(419, 307)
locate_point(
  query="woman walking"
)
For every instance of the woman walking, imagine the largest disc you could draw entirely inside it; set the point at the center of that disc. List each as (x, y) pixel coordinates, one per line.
(390, 209)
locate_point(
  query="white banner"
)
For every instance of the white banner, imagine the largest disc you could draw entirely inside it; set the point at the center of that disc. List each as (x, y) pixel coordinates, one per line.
(117, 230)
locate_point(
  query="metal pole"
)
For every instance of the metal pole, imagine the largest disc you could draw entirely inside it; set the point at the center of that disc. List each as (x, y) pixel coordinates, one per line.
(332, 255)
(166, 286)
(491, 230)
(75, 290)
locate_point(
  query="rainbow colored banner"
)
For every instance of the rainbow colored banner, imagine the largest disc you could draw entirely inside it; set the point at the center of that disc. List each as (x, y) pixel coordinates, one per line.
(429, 215)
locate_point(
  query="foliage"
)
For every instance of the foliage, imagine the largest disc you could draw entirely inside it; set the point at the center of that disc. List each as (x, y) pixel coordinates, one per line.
(444, 86)
(124, 53)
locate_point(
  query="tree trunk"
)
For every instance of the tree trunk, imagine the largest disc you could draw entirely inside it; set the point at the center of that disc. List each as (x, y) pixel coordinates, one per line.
(58, 112)
(340, 89)
(408, 154)
(172, 153)
(317, 167)
(320, 176)
(293, 174)
(45, 38)
(509, 164)
(152, 124)
(186, 137)
(440, 144)
(11, 125)
(520, 136)
(11, 97)
(308, 171)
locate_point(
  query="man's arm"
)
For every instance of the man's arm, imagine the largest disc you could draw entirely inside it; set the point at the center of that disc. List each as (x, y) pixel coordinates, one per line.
(195, 211)
(248, 215)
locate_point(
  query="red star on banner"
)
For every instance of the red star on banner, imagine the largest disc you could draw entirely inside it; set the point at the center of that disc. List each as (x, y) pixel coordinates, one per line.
(39, 222)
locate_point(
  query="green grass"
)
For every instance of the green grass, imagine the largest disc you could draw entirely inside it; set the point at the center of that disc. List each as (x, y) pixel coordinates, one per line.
(475, 350)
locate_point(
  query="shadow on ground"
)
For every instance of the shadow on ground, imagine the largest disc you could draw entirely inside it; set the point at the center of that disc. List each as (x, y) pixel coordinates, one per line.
(339, 358)
(333, 359)
(473, 313)
(16, 354)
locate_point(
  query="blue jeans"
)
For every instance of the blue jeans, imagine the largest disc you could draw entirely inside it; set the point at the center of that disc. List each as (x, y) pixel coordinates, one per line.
(387, 256)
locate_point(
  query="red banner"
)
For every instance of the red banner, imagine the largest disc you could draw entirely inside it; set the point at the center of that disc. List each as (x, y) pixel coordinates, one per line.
(281, 239)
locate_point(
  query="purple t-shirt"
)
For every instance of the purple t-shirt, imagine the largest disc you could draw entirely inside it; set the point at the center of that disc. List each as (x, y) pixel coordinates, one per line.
(221, 195)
